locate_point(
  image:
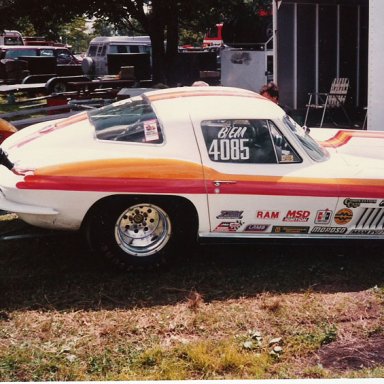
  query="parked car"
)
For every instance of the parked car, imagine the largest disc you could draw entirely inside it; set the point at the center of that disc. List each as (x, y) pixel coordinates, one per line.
(63, 55)
(19, 61)
(143, 176)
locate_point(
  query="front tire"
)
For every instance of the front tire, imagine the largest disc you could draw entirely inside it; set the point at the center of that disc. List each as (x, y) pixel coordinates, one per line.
(136, 233)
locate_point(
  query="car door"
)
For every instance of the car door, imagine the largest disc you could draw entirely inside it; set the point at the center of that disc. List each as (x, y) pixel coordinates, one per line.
(257, 182)
(101, 60)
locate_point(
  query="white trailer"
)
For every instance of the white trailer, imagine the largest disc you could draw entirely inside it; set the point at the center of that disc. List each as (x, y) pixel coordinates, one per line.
(246, 69)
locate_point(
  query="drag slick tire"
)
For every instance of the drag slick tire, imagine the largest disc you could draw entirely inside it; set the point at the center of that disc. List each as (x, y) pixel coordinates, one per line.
(136, 232)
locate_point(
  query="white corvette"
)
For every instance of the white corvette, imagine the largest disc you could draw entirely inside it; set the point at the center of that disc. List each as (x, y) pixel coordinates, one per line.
(143, 175)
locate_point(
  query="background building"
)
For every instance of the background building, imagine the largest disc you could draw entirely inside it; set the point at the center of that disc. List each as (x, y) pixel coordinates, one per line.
(317, 41)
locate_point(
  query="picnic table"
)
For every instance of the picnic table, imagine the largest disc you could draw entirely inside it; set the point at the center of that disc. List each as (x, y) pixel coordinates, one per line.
(12, 88)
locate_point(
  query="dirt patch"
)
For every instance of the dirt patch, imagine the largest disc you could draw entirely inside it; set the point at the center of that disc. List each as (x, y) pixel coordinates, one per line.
(355, 355)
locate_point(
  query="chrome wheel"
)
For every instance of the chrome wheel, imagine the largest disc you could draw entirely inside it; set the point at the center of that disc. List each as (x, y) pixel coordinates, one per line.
(142, 230)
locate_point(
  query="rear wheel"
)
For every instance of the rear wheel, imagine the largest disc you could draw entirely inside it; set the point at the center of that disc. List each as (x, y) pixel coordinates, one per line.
(135, 232)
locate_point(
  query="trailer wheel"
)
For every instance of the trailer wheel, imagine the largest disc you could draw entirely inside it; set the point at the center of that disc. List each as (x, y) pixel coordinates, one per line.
(56, 85)
(60, 87)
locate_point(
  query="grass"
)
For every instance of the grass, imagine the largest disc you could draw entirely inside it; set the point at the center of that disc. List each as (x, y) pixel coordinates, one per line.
(217, 313)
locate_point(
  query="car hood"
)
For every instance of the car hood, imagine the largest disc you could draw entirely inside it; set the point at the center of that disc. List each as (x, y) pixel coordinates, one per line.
(366, 144)
(362, 152)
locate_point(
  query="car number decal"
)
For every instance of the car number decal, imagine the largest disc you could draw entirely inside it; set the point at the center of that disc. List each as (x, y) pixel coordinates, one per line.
(229, 149)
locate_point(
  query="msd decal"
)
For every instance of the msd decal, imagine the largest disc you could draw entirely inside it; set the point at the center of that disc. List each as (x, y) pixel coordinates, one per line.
(297, 216)
(271, 215)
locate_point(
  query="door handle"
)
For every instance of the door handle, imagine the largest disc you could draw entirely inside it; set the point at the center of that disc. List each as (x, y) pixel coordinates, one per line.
(217, 183)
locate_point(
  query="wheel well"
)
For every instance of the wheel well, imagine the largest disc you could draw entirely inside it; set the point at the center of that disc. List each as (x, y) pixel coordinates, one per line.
(173, 201)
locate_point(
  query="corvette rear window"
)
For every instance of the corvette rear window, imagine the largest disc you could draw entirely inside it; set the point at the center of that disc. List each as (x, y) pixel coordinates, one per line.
(131, 120)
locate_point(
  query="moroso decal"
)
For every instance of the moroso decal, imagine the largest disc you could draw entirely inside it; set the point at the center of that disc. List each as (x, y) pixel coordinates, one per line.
(272, 215)
(297, 216)
(290, 230)
(323, 216)
(228, 226)
(329, 230)
(367, 232)
(354, 203)
(256, 227)
(343, 216)
(230, 215)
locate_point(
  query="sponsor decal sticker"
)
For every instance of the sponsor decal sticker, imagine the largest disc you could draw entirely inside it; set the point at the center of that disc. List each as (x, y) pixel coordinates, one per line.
(271, 215)
(150, 130)
(329, 230)
(323, 216)
(228, 226)
(296, 216)
(288, 158)
(256, 227)
(354, 203)
(343, 216)
(290, 230)
(230, 215)
(367, 232)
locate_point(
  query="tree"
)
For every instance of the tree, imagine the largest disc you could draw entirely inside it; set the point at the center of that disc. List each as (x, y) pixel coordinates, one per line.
(75, 35)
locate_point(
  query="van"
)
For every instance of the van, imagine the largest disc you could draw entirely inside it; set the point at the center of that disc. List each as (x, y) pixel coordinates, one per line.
(96, 61)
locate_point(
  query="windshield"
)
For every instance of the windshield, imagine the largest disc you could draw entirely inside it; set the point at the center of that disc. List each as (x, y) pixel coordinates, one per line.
(130, 120)
(310, 145)
(15, 53)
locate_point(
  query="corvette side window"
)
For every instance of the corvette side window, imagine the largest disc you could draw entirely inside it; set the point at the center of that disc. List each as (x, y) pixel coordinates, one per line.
(132, 121)
(239, 141)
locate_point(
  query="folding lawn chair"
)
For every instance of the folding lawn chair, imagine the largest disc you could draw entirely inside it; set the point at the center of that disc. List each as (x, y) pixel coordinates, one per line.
(334, 99)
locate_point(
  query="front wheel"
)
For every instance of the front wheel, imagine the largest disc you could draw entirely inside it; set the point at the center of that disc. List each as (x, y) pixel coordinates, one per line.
(136, 233)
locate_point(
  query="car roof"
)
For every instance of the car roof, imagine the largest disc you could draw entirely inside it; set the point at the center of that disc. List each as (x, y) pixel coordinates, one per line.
(18, 47)
(213, 101)
(122, 39)
(169, 93)
(178, 92)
